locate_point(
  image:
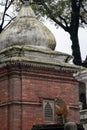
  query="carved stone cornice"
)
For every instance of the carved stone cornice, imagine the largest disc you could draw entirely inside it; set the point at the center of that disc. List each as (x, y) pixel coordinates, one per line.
(20, 103)
(36, 70)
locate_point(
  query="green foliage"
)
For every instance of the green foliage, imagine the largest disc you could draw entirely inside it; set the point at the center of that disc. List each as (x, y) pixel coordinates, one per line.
(61, 10)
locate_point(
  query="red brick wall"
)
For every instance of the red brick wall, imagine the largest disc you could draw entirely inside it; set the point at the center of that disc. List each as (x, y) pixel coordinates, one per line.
(3, 105)
(3, 118)
(3, 91)
(43, 87)
(23, 89)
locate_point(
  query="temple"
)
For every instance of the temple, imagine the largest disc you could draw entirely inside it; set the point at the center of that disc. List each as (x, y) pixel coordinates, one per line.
(37, 85)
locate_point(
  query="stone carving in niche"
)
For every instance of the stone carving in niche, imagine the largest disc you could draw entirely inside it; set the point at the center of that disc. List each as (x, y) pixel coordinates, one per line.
(48, 110)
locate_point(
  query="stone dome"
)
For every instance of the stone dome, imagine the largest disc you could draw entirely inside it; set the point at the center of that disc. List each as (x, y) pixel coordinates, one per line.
(26, 30)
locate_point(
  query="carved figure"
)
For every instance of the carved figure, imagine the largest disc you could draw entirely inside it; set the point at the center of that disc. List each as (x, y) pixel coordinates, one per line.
(61, 110)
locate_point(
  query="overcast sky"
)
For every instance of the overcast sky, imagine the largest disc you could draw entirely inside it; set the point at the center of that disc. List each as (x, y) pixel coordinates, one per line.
(64, 42)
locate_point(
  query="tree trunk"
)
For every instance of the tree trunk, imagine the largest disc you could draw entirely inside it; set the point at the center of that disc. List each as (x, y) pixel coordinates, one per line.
(76, 49)
(74, 32)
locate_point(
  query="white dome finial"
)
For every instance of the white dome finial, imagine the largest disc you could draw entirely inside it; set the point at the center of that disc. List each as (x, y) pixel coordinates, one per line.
(26, 2)
(26, 30)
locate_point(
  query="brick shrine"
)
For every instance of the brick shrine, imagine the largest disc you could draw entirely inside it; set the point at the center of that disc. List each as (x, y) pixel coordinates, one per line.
(33, 75)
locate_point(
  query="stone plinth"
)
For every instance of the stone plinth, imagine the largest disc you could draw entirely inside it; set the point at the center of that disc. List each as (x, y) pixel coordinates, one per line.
(54, 127)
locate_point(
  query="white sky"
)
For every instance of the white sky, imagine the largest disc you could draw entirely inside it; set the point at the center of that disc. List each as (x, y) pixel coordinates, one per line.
(64, 42)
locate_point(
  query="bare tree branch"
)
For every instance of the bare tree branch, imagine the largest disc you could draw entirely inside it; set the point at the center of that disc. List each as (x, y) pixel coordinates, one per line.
(83, 20)
(10, 3)
(54, 19)
(63, 21)
(9, 16)
(8, 23)
(4, 13)
(83, 8)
